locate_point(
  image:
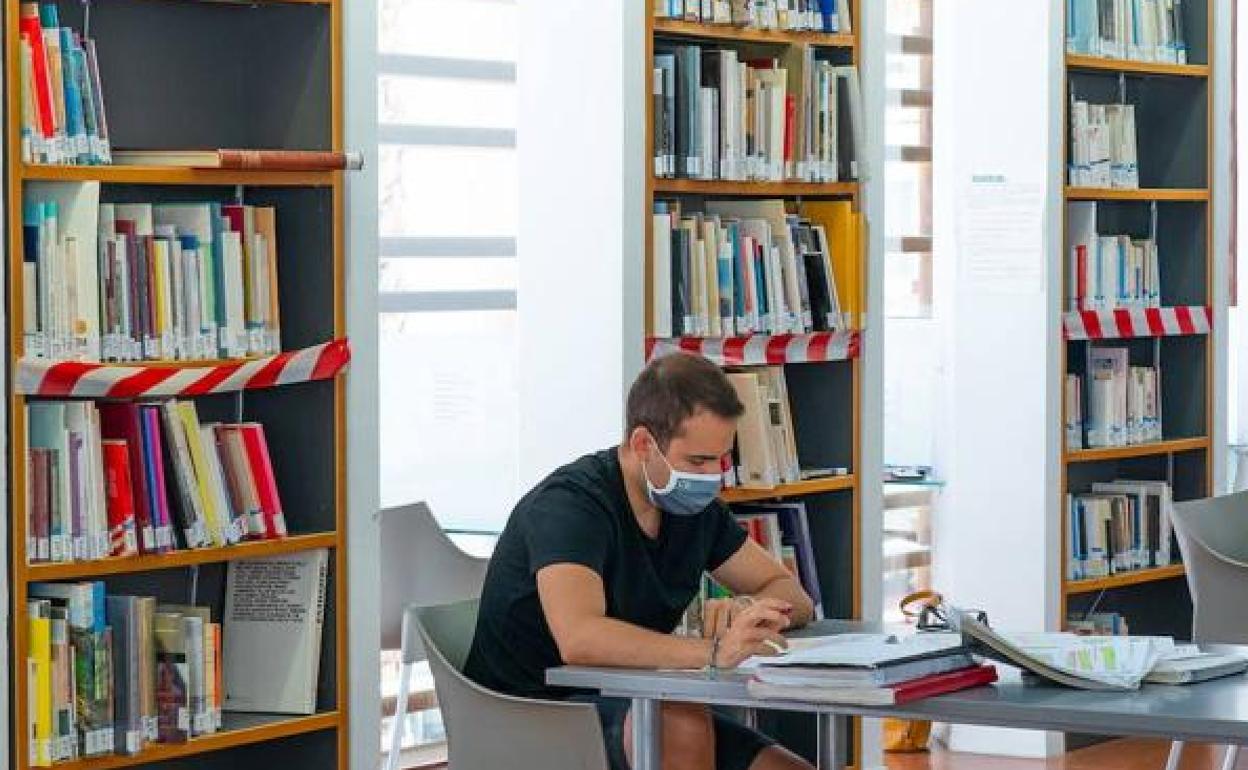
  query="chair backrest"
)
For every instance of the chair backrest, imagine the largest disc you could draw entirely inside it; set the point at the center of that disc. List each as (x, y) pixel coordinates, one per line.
(502, 731)
(1213, 536)
(420, 565)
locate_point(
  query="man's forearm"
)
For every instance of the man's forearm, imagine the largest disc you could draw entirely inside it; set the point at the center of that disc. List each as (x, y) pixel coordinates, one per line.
(787, 589)
(610, 642)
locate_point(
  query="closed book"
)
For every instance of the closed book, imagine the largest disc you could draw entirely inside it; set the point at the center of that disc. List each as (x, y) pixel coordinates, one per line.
(274, 614)
(880, 676)
(197, 625)
(123, 422)
(146, 682)
(39, 622)
(906, 692)
(758, 468)
(173, 708)
(266, 481)
(123, 618)
(119, 496)
(244, 495)
(39, 493)
(244, 160)
(154, 467)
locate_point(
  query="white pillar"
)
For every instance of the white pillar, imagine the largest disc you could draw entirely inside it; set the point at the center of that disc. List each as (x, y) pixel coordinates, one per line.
(998, 75)
(581, 157)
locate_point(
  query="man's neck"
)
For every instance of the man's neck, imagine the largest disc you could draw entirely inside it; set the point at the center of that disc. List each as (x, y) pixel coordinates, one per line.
(648, 517)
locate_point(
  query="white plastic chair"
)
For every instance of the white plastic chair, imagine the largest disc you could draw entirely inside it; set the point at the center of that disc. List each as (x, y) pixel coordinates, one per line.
(419, 565)
(1213, 537)
(486, 729)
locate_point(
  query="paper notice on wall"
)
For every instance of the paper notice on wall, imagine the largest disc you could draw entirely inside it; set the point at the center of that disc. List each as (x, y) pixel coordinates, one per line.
(1000, 236)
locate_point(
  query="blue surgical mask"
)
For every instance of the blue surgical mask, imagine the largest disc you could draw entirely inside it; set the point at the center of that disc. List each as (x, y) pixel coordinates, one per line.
(686, 494)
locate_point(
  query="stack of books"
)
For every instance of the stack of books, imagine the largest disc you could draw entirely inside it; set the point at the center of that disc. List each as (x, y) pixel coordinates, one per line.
(62, 117)
(869, 669)
(751, 267)
(801, 15)
(114, 674)
(718, 116)
(119, 478)
(1121, 405)
(1139, 30)
(1103, 150)
(1120, 526)
(142, 281)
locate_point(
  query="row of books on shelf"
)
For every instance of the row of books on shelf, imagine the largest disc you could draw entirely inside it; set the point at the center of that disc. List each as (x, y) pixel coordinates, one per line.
(119, 479)
(1123, 404)
(1097, 624)
(765, 453)
(831, 16)
(1138, 30)
(745, 267)
(1104, 149)
(62, 118)
(116, 673)
(144, 281)
(1123, 401)
(718, 116)
(1120, 526)
(1108, 272)
(783, 531)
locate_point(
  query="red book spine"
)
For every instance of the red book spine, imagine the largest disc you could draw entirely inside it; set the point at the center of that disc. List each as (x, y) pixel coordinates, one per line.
(32, 30)
(121, 421)
(119, 498)
(266, 482)
(939, 684)
(288, 160)
(40, 515)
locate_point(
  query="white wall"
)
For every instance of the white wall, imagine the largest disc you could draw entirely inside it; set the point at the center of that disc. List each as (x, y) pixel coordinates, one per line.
(580, 139)
(363, 502)
(996, 530)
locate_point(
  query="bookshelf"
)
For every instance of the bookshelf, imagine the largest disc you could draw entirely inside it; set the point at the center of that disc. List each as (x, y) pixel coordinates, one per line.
(824, 371)
(1174, 121)
(192, 74)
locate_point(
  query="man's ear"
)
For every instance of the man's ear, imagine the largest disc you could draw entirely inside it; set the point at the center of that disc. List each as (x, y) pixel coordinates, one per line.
(639, 440)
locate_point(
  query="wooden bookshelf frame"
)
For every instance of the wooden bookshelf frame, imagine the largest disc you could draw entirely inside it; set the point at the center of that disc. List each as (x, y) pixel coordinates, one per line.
(258, 730)
(657, 187)
(1194, 73)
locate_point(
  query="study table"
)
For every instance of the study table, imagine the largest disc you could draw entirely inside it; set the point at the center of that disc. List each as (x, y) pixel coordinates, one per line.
(1215, 711)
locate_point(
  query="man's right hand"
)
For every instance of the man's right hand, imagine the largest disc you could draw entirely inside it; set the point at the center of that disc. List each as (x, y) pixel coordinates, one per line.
(750, 631)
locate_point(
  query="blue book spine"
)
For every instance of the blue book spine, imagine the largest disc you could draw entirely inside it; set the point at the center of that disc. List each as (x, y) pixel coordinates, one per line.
(75, 128)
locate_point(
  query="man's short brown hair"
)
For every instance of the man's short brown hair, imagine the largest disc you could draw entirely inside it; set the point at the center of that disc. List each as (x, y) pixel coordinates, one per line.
(672, 389)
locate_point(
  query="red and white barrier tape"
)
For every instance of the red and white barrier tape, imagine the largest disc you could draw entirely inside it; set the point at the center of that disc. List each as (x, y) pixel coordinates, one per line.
(1142, 322)
(36, 377)
(762, 349)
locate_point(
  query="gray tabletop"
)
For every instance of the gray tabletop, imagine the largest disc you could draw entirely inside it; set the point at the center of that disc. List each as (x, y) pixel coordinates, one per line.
(1215, 711)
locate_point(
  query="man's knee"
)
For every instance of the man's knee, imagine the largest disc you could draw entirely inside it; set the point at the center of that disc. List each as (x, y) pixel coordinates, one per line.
(688, 737)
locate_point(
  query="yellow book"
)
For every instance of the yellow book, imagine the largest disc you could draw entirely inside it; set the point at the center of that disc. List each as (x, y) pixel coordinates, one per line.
(41, 654)
(164, 299)
(844, 241)
(194, 442)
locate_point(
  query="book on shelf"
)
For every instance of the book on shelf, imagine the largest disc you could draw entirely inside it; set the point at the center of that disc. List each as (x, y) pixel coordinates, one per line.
(1072, 393)
(119, 478)
(832, 16)
(721, 116)
(274, 609)
(1097, 624)
(1109, 272)
(1137, 30)
(62, 102)
(783, 530)
(1118, 527)
(1104, 147)
(745, 267)
(244, 160)
(141, 281)
(765, 452)
(1123, 402)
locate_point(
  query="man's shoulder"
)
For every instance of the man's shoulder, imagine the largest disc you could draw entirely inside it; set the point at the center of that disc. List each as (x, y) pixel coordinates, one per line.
(592, 480)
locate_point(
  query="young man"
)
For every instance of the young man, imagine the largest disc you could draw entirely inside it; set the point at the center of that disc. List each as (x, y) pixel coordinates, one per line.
(598, 563)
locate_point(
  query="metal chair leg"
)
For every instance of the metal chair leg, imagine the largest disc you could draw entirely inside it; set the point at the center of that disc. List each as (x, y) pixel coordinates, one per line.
(400, 717)
(1176, 754)
(1228, 761)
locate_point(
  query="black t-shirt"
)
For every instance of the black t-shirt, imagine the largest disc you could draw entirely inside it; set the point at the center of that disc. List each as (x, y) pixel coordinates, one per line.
(581, 515)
